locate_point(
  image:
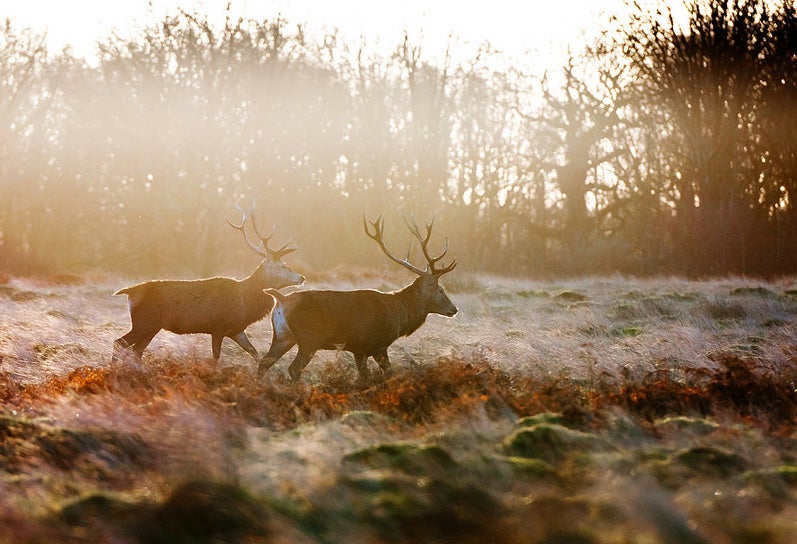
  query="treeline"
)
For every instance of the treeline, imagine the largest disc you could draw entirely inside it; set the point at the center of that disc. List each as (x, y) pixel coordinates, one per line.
(661, 147)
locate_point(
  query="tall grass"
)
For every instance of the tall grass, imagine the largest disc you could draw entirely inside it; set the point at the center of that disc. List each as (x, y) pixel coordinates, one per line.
(594, 410)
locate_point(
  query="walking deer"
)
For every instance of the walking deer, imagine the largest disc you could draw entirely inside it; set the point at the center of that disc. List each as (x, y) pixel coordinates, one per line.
(364, 322)
(221, 307)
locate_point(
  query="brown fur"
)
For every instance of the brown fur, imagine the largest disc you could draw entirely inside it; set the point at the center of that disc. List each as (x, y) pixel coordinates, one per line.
(222, 307)
(364, 322)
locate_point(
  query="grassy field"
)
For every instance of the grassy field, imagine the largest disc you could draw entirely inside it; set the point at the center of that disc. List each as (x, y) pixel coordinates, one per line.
(605, 410)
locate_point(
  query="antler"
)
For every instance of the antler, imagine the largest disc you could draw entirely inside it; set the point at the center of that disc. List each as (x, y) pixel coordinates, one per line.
(378, 237)
(278, 254)
(424, 240)
(262, 249)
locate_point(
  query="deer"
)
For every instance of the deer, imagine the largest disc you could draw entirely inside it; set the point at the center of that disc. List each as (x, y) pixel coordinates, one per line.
(222, 307)
(364, 322)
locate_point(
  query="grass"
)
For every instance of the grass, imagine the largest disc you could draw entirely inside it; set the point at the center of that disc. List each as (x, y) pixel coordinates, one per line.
(599, 410)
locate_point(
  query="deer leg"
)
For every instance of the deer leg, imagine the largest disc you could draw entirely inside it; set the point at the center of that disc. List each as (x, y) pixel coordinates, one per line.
(216, 340)
(141, 344)
(298, 364)
(278, 348)
(118, 345)
(134, 341)
(384, 362)
(242, 340)
(124, 342)
(362, 368)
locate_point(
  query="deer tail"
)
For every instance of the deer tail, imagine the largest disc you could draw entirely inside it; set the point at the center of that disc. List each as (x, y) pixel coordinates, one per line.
(279, 297)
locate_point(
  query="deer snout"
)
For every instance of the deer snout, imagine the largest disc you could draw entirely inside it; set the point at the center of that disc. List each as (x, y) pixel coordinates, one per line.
(448, 310)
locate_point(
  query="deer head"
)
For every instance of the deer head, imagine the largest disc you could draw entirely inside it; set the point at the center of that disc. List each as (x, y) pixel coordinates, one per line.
(432, 293)
(272, 267)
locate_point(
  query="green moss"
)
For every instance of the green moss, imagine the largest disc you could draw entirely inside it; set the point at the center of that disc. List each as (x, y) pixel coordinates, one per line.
(111, 509)
(407, 457)
(722, 311)
(625, 331)
(691, 425)
(197, 511)
(774, 480)
(570, 296)
(551, 442)
(621, 427)
(528, 293)
(711, 461)
(398, 507)
(624, 310)
(205, 511)
(753, 291)
(698, 462)
(679, 297)
(554, 418)
(530, 468)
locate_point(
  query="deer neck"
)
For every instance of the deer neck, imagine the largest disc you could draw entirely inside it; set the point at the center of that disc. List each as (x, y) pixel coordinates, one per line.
(254, 283)
(411, 309)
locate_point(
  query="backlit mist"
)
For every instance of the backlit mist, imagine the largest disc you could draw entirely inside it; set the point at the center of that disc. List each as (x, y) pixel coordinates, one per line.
(655, 146)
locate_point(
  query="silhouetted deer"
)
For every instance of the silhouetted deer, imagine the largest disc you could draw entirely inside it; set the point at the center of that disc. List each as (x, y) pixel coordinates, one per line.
(220, 306)
(364, 322)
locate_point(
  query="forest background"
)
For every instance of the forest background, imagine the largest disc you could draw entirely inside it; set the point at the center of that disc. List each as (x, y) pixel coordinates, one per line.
(661, 147)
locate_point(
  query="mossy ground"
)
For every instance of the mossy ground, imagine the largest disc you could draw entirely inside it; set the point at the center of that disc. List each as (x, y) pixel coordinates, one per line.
(562, 431)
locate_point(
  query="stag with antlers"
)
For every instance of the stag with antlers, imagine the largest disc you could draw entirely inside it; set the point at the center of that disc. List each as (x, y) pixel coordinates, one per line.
(364, 322)
(220, 306)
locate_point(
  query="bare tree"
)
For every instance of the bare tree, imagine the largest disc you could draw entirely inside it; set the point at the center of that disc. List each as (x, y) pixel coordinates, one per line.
(777, 128)
(578, 129)
(705, 78)
(25, 101)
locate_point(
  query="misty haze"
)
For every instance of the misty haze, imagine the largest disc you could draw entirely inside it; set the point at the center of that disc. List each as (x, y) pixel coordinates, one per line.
(613, 359)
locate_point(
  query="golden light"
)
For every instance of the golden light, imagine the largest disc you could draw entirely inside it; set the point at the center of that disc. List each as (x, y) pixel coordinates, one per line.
(541, 29)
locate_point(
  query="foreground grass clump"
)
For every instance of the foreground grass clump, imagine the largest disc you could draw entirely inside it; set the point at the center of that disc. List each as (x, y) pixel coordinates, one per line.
(433, 394)
(524, 419)
(456, 443)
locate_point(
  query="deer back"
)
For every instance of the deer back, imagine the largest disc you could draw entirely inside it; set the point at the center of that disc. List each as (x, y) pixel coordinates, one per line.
(213, 305)
(361, 320)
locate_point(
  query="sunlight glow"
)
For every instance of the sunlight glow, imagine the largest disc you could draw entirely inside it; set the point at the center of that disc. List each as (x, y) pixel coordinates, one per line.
(541, 29)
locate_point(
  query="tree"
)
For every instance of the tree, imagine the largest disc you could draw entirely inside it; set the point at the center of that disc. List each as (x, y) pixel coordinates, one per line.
(25, 102)
(201, 117)
(777, 130)
(579, 127)
(705, 78)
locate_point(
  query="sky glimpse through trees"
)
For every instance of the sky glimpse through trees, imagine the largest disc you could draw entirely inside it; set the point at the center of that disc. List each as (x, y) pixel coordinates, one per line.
(660, 147)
